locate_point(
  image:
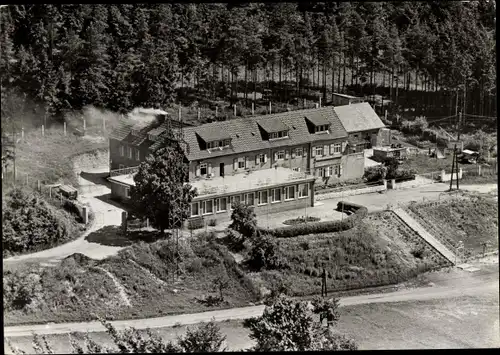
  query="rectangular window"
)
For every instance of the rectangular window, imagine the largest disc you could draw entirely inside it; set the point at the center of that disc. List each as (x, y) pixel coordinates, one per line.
(227, 142)
(250, 201)
(276, 195)
(137, 154)
(337, 148)
(234, 200)
(241, 163)
(263, 197)
(221, 204)
(262, 158)
(281, 155)
(303, 190)
(127, 192)
(209, 207)
(203, 169)
(298, 152)
(122, 150)
(289, 193)
(336, 169)
(320, 172)
(319, 151)
(195, 209)
(130, 152)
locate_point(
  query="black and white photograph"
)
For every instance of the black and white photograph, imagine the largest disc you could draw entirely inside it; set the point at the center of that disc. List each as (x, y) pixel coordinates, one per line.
(186, 177)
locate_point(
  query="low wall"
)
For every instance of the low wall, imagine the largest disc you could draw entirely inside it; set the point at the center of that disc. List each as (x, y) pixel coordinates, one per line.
(447, 177)
(351, 192)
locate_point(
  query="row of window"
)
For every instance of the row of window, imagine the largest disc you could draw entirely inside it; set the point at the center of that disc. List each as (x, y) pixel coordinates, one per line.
(259, 198)
(219, 144)
(334, 170)
(321, 128)
(281, 134)
(327, 149)
(130, 152)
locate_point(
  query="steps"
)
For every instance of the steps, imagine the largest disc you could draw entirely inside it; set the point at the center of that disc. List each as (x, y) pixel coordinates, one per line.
(436, 244)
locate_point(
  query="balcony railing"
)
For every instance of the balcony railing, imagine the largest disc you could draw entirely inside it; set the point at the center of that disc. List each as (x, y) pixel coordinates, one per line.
(124, 171)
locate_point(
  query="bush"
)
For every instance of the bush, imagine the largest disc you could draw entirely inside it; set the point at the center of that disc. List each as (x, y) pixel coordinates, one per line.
(195, 223)
(212, 222)
(264, 255)
(375, 173)
(31, 224)
(300, 220)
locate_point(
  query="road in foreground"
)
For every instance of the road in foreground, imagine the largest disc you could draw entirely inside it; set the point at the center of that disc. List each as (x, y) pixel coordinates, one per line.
(455, 322)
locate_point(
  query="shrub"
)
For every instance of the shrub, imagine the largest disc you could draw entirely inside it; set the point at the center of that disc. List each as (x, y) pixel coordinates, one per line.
(300, 220)
(195, 223)
(375, 173)
(30, 224)
(195, 266)
(212, 222)
(264, 254)
(244, 220)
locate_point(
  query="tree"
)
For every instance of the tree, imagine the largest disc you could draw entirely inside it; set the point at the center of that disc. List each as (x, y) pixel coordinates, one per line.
(205, 338)
(161, 192)
(288, 325)
(265, 254)
(221, 281)
(244, 220)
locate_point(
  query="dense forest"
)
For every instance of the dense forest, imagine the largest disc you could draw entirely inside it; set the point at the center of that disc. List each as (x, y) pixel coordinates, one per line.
(64, 57)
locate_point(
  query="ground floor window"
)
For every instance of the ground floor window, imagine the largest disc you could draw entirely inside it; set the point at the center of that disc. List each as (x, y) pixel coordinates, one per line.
(289, 192)
(276, 195)
(221, 204)
(207, 207)
(234, 200)
(303, 190)
(263, 197)
(195, 209)
(203, 169)
(250, 199)
(127, 192)
(320, 172)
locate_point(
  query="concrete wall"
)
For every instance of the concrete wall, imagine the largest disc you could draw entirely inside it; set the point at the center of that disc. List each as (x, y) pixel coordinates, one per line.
(118, 191)
(264, 209)
(346, 193)
(447, 177)
(117, 159)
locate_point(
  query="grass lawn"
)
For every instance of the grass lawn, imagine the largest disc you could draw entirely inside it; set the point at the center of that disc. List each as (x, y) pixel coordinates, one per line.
(377, 252)
(76, 290)
(425, 164)
(49, 158)
(473, 220)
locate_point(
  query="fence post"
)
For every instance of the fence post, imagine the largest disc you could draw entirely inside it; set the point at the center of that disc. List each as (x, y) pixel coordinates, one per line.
(103, 123)
(147, 222)
(64, 125)
(27, 179)
(124, 221)
(38, 185)
(22, 133)
(253, 108)
(270, 111)
(199, 114)
(84, 126)
(234, 109)
(43, 131)
(85, 216)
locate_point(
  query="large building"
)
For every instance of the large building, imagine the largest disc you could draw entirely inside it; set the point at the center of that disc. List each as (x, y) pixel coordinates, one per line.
(364, 127)
(270, 161)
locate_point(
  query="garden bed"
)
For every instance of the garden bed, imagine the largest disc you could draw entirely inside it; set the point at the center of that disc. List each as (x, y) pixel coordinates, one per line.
(301, 220)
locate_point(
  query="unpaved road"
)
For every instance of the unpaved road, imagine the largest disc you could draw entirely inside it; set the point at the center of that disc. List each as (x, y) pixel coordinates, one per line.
(475, 286)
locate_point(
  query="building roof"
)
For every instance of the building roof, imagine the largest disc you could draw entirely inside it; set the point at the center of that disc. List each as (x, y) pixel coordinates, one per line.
(347, 96)
(143, 128)
(317, 118)
(245, 135)
(272, 124)
(212, 133)
(358, 117)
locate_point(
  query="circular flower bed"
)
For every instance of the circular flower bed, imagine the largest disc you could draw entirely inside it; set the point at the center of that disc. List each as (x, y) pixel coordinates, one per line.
(300, 220)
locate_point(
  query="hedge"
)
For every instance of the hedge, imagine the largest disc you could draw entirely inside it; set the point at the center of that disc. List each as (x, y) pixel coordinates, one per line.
(359, 212)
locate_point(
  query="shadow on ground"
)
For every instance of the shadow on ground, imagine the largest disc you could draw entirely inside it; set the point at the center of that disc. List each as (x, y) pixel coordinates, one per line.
(115, 237)
(107, 199)
(97, 178)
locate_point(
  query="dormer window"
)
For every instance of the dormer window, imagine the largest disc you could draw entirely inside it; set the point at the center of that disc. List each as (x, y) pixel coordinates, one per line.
(277, 135)
(221, 144)
(321, 128)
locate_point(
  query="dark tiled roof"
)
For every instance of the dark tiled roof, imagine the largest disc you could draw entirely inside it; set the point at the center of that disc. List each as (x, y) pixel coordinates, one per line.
(358, 117)
(211, 133)
(125, 127)
(272, 124)
(317, 118)
(245, 135)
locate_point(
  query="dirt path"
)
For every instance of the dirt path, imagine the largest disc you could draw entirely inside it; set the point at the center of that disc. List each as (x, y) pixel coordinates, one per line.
(119, 286)
(475, 286)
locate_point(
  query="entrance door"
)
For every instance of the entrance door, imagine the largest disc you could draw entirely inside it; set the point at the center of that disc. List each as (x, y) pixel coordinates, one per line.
(221, 169)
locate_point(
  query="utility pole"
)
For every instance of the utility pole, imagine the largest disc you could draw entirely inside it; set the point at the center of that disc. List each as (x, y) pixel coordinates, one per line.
(458, 125)
(452, 167)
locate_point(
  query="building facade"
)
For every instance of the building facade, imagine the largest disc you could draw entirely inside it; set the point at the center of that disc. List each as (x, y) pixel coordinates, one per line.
(271, 162)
